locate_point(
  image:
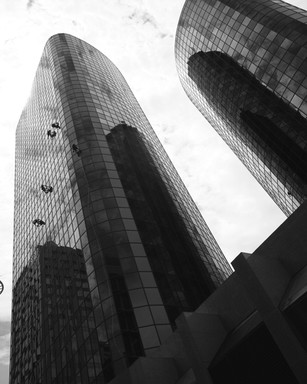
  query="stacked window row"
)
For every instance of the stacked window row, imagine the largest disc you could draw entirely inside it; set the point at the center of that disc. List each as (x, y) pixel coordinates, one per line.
(266, 38)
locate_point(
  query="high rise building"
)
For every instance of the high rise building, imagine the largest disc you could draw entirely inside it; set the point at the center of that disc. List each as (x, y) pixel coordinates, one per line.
(109, 247)
(244, 66)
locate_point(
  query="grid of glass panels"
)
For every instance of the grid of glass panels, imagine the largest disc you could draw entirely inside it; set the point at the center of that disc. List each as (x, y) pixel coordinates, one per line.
(268, 39)
(89, 213)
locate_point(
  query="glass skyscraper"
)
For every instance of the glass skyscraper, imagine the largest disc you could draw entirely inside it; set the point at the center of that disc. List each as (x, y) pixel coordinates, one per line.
(109, 247)
(244, 66)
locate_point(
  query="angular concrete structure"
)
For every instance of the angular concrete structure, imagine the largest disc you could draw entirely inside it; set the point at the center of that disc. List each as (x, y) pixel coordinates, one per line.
(252, 329)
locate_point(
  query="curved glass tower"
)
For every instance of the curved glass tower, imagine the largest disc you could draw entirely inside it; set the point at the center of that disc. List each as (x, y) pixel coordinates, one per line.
(244, 66)
(109, 247)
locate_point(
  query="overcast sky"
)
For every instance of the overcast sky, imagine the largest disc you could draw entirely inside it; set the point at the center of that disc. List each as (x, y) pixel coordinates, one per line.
(138, 36)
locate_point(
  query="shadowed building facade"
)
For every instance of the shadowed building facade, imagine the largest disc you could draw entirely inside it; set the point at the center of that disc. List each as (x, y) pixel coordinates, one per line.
(93, 184)
(252, 329)
(244, 66)
(51, 305)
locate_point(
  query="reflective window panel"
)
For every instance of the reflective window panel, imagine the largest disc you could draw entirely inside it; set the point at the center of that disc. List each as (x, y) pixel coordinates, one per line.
(244, 66)
(109, 247)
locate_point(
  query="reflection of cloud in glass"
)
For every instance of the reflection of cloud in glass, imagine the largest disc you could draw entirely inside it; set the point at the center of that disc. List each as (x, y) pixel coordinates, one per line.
(44, 62)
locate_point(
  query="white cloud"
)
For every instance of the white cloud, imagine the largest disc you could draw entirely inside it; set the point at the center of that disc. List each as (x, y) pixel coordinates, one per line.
(5, 349)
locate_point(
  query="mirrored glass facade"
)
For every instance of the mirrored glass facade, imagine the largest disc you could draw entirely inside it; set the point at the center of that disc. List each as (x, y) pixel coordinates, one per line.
(244, 66)
(109, 247)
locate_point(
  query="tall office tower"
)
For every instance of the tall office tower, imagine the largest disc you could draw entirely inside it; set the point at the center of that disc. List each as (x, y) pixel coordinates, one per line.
(244, 66)
(109, 247)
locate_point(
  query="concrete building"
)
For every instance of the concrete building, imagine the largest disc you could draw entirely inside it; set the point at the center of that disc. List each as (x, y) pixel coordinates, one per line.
(250, 330)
